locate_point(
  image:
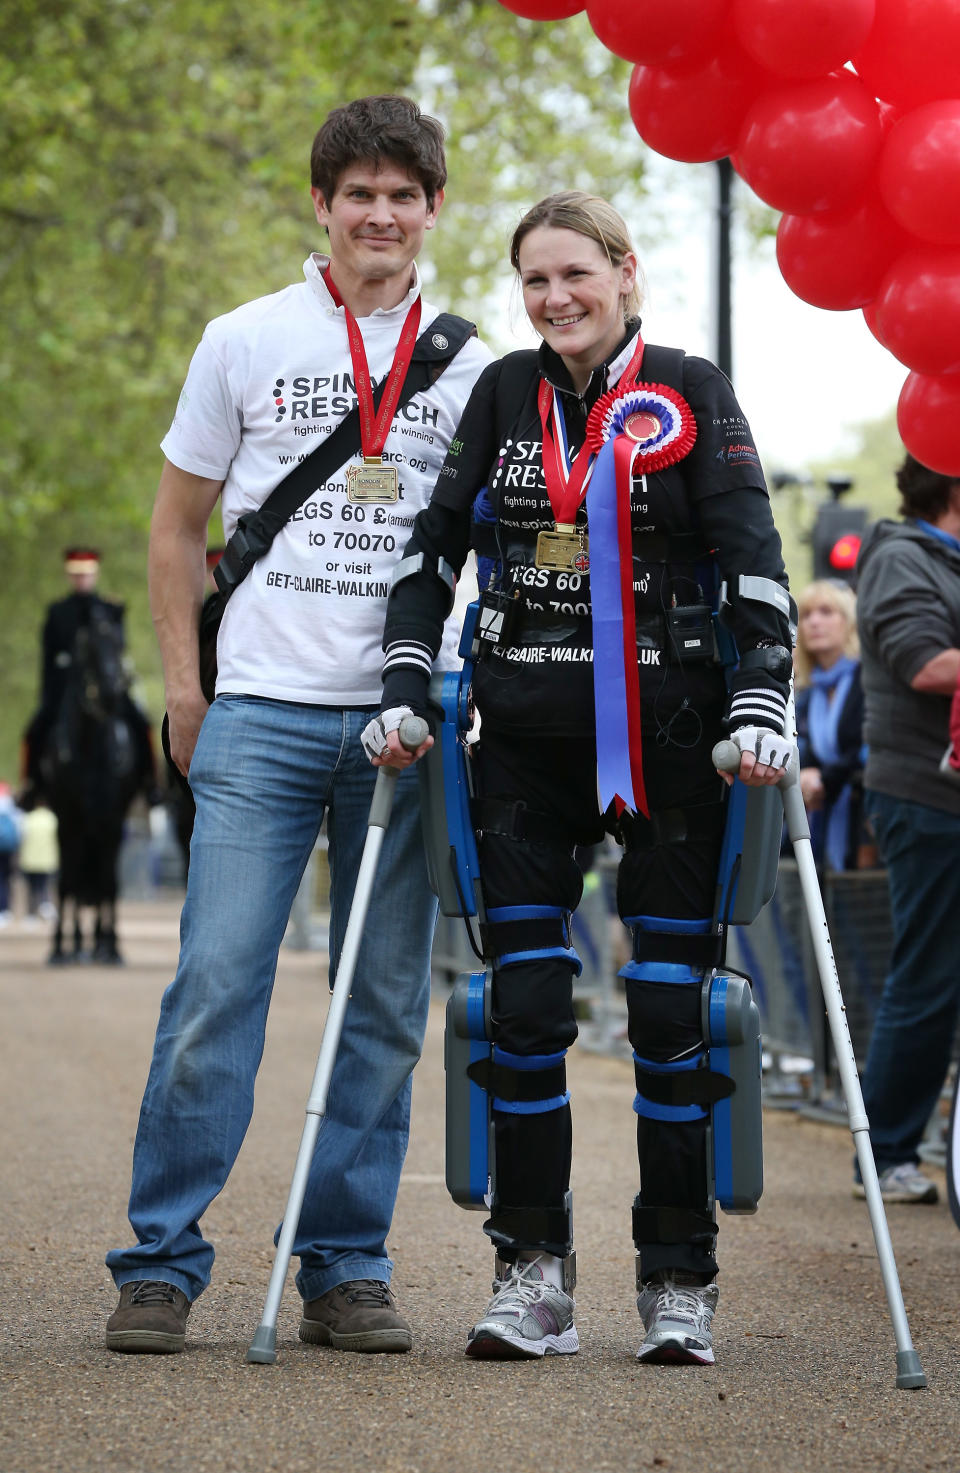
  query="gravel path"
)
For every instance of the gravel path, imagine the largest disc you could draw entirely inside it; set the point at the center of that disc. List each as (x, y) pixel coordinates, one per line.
(805, 1353)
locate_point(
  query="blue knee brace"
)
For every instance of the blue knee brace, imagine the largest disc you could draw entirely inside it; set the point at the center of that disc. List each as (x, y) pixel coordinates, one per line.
(482, 1077)
(717, 1080)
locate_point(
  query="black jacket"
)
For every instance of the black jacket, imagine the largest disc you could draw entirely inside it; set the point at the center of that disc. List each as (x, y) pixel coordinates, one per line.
(717, 493)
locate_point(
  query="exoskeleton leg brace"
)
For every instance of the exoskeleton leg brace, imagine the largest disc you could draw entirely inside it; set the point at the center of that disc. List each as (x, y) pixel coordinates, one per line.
(486, 1081)
(696, 1038)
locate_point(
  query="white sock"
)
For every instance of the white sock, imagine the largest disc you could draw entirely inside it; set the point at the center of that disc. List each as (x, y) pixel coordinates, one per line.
(550, 1267)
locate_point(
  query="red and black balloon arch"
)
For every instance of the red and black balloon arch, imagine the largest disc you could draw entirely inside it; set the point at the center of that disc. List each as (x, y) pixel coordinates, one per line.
(845, 116)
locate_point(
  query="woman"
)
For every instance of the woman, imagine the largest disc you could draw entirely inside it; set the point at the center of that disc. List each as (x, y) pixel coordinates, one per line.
(830, 722)
(599, 568)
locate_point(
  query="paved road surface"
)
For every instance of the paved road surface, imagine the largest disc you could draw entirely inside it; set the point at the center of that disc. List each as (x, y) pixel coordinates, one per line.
(805, 1354)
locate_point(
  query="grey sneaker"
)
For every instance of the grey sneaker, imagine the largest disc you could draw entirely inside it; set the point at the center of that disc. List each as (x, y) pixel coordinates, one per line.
(151, 1319)
(360, 1314)
(903, 1183)
(527, 1318)
(677, 1315)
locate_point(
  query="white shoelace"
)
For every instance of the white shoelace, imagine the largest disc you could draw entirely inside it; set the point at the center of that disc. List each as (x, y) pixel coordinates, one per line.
(684, 1301)
(518, 1291)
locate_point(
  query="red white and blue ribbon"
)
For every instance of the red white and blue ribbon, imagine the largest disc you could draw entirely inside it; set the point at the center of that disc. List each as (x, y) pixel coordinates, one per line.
(635, 426)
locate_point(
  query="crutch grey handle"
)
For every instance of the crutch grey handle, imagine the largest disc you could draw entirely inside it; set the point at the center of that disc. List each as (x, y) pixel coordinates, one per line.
(726, 758)
(413, 732)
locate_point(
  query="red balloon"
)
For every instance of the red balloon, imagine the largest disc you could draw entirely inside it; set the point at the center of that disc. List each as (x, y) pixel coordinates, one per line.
(919, 172)
(912, 54)
(918, 309)
(655, 34)
(838, 261)
(928, 418)
(870, 318)
(812, 145)
(802, 38)
(695, 115)
(544, 9)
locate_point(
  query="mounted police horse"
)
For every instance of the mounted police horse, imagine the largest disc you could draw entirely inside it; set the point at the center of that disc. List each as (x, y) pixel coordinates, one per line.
(90, 757)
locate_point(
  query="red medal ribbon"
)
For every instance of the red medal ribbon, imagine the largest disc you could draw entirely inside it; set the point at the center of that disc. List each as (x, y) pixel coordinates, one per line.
(567, 489)
(375, 429)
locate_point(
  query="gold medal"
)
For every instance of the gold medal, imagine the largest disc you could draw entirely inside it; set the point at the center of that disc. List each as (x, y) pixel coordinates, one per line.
(566, 550)
(372, 481)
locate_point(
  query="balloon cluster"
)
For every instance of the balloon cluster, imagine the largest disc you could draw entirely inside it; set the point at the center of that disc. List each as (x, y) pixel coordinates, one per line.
(845, 116)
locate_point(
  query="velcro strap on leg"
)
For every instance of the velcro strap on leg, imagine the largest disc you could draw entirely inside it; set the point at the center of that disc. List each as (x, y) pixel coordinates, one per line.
(680, 1083)
(521, 933)
(665, 939)
(530, 1224)
(674, 825)
(670, 1225)
(523, 1084)
(697, 951)
(672, 1112)
(514, 820)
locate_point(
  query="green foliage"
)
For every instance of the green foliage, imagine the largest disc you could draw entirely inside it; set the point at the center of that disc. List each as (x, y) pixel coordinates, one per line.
(156, 175)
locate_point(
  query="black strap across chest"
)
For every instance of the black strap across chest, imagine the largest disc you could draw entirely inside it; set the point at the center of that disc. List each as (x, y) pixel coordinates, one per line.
(434, 349)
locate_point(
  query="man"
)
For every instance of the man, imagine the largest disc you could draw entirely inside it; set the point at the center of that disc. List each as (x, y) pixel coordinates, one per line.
(299, 678)
(908, 597)
(66, 616)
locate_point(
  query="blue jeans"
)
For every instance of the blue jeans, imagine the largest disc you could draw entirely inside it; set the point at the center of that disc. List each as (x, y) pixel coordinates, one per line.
(912, 1036)
(263, 774)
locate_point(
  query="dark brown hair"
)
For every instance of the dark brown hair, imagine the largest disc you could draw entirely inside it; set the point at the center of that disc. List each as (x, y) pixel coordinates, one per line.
(377, 130)
(923, 493)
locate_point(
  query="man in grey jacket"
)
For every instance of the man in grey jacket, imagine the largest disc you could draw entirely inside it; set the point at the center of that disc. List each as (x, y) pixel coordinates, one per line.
(909, 617)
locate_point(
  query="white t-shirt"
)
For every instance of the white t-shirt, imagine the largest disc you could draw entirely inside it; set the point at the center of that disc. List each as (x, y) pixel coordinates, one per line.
(266, 380)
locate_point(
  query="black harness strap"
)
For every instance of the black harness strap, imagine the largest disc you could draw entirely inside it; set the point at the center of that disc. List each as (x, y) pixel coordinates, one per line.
(433, 350)
(516, 821)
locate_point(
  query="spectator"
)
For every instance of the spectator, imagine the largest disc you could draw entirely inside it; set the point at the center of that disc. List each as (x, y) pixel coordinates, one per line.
(909, 621)
(10, 823)
(39, 859)
(830, 724)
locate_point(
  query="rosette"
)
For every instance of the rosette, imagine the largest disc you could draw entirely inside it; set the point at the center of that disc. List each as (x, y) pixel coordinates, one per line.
(657, 419)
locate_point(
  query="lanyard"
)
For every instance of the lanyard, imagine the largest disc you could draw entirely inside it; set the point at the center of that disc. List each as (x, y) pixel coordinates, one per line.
(567, 481)
(374, 429)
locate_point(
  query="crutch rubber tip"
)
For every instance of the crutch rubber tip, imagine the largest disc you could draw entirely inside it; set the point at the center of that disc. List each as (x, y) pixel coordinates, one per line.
(263, 1347)
(726, 757)
(910, 1375)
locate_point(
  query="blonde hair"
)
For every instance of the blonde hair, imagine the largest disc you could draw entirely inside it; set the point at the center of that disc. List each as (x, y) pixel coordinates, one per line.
(591, 216)
(837, 596)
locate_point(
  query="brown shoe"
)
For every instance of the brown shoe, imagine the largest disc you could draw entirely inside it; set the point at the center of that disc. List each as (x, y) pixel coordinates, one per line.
(151, 1319)
(358, 1315)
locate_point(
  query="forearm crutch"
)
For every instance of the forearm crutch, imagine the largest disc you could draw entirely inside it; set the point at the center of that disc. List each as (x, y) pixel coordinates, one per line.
(263, 1347)
(726, 758)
